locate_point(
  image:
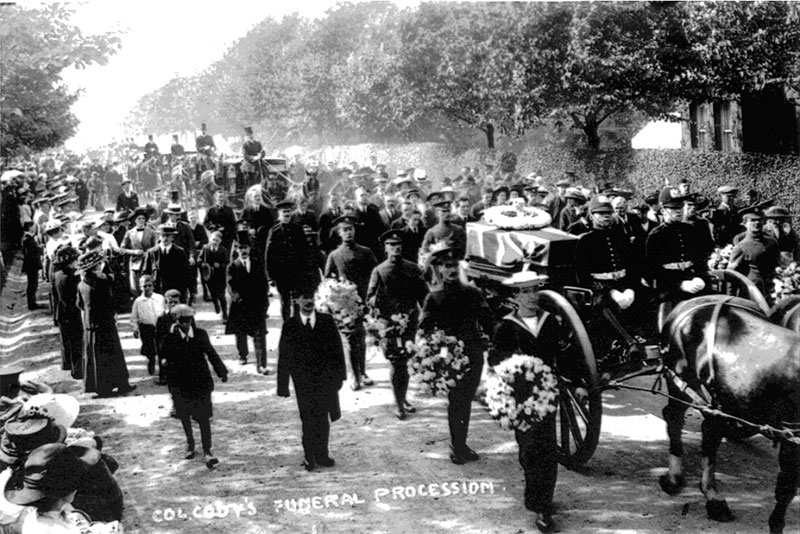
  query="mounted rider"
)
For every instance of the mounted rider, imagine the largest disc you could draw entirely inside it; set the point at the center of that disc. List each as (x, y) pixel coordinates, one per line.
(252, 152)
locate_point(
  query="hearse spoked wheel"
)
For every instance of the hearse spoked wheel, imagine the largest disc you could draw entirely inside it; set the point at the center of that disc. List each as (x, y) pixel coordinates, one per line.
(580, 404)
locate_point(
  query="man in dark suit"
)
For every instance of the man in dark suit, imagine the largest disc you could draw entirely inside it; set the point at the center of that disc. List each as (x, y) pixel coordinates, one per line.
(168, 264)
(128, 200)
(369, 225)
(304, 216)
(355, 263)
(31, 264)
(247, 285)
(310, 352)
(389, 213)
(327, 237)
(213, 262)
(286, 255)
(220, 217)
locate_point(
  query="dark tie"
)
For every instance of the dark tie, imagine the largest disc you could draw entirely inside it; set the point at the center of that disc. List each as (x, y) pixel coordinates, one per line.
(140, 229)
(308, 325)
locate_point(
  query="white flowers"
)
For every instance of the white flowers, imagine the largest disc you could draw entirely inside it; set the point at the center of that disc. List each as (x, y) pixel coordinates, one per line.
(521, 391)
(387, 334)
(438, 363)
(786, 282)
(341, 300)
(720, 258)
(517, 218)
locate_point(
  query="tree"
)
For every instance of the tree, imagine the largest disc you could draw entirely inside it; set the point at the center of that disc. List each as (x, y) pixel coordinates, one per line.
(37, 45)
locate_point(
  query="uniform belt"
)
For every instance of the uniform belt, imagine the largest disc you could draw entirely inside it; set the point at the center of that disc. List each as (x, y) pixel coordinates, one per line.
(614, 275)
(678, 265)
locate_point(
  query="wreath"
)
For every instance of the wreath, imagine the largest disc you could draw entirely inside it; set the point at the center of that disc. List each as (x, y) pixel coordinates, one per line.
(438, 362)
(340, 299)
(387, 334)
(517, 217)
(520, 391)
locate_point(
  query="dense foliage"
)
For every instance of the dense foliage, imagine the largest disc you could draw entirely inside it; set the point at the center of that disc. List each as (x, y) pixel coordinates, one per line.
(37, 46)
(371, 71)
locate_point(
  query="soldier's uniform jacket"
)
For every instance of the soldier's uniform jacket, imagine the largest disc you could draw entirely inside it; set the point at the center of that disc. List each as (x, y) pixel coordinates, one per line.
(454, 235)
(673, 255)
(604, 258)
(397, 287)
(352, 262)
(286, 253)
(756, 258)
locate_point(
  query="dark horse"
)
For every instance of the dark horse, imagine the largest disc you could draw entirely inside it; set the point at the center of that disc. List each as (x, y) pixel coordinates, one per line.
(728, 353)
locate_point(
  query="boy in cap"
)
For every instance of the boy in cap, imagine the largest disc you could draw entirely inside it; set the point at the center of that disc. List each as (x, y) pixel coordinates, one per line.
(396, 286)
(146, 310)
(186, 352)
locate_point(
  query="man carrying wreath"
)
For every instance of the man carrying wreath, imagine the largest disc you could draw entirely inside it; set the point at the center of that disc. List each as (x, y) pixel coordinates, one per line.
(397, 290)
(520, 332)
(461, 311)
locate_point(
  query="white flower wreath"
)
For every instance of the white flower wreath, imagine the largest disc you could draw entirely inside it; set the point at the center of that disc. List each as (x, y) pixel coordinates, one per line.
(520, 391)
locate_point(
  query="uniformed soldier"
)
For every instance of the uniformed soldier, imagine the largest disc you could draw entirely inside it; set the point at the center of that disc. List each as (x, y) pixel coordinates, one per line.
(757, 255)
(675, 260)
(461, 311)
(252, 152)
(445, 231)
(724, 216)
(285, 256)
(396, 286)
(353, 262)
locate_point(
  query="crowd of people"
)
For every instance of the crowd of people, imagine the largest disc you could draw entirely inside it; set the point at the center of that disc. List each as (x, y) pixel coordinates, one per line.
(399, 241)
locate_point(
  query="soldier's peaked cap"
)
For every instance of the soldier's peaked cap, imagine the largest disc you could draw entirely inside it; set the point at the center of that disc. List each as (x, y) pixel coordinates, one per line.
(392, 237)
(345, 219)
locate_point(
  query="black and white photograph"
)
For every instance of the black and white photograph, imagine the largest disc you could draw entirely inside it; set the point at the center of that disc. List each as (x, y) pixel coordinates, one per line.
(399, 267)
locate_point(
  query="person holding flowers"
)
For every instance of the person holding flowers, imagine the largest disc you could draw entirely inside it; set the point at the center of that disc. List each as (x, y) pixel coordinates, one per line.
(461, 311)
(521, 333)
(395, 293)
(353, 262)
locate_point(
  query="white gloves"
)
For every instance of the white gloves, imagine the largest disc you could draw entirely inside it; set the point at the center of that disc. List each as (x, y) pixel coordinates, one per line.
(623, 298)
(693, 286)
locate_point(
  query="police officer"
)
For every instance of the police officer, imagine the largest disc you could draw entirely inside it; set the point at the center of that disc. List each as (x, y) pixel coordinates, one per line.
(604, 262)
(353, 262)
(286, 255)
(396, 286)
(461, 311)
(675, 259)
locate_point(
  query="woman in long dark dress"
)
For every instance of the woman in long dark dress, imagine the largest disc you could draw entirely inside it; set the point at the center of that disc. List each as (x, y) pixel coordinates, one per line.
(104, 364)
(67, 315)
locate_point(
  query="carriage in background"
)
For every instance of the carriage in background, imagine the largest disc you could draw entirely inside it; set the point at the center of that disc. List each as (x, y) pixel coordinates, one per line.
(271, 172)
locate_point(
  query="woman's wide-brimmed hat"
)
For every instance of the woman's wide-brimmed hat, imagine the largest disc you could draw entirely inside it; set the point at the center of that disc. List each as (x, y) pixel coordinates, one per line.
(51, 471)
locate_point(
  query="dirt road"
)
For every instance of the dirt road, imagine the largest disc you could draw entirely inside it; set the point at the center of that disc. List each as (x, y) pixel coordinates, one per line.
(390, 476)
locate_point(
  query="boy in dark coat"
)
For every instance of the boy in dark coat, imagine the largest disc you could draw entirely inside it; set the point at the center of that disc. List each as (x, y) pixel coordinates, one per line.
(310, 352)
(187, 352)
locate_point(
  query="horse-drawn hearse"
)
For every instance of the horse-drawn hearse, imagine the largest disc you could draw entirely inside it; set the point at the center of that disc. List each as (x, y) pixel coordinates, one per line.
(271, 173)
(726, 354)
